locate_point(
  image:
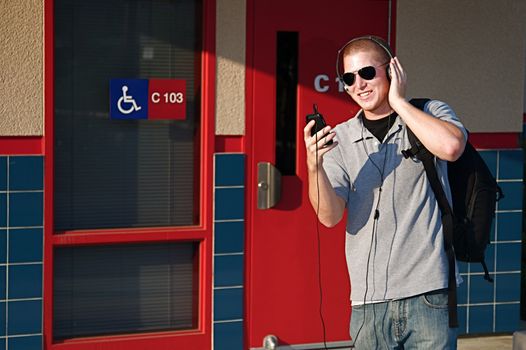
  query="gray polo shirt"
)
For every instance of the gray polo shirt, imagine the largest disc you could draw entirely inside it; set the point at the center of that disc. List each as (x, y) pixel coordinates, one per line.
(401, 253)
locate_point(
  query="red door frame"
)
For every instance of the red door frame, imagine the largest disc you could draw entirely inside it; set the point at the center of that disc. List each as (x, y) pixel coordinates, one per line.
(200, 338)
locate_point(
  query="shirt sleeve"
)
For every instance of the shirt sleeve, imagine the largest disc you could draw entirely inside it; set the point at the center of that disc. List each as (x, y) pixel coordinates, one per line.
(444, 112)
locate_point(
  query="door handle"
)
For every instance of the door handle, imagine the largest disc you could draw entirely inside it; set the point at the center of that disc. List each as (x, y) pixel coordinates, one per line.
(269, 185)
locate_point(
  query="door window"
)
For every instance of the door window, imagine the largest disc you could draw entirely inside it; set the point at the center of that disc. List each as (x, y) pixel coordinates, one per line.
(124, 173)
(118, 289)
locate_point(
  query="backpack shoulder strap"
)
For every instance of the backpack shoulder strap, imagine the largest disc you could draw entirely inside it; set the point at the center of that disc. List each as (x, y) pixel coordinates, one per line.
(419, 151)
(419, 102)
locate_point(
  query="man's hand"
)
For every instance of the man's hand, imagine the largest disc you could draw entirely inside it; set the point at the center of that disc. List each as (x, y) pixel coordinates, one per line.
(398, 83)
(323, 136)
(328, 205)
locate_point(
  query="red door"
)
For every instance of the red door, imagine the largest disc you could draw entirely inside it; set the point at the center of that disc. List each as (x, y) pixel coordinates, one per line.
(299, 39)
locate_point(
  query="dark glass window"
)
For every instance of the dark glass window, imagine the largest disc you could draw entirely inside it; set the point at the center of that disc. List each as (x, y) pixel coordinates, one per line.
(286, 100)
(118, 289)
(124, 173)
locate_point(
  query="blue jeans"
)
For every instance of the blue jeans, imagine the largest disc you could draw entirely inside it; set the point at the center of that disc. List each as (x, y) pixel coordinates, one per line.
(419, 322)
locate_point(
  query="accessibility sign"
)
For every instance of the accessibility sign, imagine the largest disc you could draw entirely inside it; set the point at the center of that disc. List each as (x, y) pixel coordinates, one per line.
(147, 99)
(129, 98)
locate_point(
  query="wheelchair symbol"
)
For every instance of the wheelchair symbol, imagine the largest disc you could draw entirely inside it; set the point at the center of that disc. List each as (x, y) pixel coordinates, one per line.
(127, 99)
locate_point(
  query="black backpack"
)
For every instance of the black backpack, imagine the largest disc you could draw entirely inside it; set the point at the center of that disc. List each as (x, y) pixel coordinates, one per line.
(474, 192)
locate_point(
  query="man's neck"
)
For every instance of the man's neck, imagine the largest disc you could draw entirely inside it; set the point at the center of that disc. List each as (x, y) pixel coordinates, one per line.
(377, 116)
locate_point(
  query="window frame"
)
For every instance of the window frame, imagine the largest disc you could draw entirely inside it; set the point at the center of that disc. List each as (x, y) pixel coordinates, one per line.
(199, 338)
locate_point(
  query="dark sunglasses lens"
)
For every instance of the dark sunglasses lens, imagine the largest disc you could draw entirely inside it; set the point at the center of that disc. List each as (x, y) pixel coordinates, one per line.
(348, 79)
(367, 73)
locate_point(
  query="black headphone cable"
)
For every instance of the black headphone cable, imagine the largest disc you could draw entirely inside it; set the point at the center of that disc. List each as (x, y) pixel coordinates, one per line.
(319, 247)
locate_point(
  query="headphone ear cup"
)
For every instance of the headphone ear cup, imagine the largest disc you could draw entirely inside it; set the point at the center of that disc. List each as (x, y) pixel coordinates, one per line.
(388, 72)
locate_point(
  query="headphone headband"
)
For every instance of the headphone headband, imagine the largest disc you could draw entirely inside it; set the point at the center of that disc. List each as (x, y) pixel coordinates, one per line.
(377, 40)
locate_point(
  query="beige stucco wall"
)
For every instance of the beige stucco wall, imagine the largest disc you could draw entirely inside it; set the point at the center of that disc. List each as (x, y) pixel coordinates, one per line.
(230, 76)
(21, 68)
(469, 53)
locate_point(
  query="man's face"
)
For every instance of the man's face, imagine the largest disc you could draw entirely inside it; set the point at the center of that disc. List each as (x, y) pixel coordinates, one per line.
(371, 95)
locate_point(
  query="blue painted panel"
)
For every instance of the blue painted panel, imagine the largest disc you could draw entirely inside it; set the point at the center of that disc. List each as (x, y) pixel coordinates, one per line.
(3, 246)
(228, 336)
(25, 245)
(229, 237)
(3, 173)
(507, 318)
(511, 164)
(230, 170)
(2, 318)
(509, 226)
(462, 291)
(512, 196)
(25, 281)
(481, 319)
(25, 317)
(228, 304)
(229, 203)
(3, 283)
(26, 209)
(3, 210)
(25, 343)
(509, 256)
(508, 287)
(490, 157)
(26, 173)
(480, 290)
(462, 319)
(228, 270)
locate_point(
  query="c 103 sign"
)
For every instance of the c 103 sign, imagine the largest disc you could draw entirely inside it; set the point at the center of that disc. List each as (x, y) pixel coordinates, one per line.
(322, 83)
(172, 97)
(148, 99)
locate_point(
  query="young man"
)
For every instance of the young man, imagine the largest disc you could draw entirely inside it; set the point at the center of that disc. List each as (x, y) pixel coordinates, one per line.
(394, 243)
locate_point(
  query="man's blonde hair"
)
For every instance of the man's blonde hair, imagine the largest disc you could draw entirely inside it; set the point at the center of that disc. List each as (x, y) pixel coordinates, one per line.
(369, 44)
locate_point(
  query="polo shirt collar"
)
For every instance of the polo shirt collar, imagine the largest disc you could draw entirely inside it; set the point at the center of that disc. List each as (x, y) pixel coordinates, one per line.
(360, 132)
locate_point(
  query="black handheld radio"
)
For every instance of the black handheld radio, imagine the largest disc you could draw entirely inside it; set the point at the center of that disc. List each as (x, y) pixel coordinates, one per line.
(319, 122)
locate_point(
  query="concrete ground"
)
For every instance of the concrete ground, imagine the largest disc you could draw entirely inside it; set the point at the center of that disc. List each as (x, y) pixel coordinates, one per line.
(504, 342)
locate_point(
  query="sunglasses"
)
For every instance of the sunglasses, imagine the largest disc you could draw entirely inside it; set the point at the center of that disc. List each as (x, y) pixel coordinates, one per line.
(367, 73)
